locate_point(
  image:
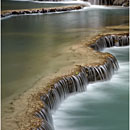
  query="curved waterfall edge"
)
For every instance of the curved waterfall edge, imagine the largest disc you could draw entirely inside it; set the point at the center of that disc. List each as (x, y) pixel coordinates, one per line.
(62, 87)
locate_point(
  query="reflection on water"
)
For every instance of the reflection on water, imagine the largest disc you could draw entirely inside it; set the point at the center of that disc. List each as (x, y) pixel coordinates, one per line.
(31, 43)
(10, 4)
(104, 106)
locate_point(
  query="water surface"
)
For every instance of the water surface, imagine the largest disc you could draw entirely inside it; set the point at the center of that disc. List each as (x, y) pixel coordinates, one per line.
(28, 4)
(104, 106)
(30, 44)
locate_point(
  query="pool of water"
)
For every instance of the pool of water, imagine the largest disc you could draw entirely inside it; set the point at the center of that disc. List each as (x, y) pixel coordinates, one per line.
(31, 43)
(28, 4)
(104, 106)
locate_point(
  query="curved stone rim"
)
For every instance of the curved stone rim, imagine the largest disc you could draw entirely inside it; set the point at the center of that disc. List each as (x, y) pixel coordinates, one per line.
(7, 13)
(34, 122)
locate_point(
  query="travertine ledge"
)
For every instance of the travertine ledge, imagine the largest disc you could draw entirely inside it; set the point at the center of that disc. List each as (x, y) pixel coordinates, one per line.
(6, 13)
(33, 109)
(47, 100)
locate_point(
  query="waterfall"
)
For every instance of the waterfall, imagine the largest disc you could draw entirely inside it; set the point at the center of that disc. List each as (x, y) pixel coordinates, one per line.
(101, 2)
(8, 13)
(78, 82)
(110, 41)
(62, 89)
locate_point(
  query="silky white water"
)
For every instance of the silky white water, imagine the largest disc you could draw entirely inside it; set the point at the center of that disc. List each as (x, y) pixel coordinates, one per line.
(104, 106)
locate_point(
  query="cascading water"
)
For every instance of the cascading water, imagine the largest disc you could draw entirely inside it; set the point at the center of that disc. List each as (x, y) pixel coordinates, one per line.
(61, 90)
(110, 41)
(78, 83)
(101, 2)
(104, 106)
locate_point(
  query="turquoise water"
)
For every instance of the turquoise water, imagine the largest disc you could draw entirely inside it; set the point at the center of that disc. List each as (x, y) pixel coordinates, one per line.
(104, 106)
